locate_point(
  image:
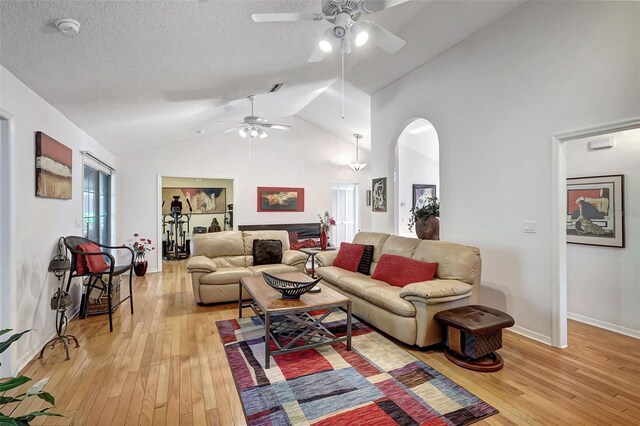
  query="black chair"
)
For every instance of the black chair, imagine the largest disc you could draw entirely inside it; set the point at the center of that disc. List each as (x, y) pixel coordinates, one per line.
(95, 278)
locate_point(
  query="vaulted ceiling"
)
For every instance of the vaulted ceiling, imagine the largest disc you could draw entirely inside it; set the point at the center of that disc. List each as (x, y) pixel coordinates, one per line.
(147, 73)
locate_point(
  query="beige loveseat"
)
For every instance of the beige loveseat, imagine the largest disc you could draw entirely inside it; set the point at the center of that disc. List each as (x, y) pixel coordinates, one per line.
(220, 259)
(406, 313)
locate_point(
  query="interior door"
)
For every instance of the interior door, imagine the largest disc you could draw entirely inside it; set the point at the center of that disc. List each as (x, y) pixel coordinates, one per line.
(345, 213)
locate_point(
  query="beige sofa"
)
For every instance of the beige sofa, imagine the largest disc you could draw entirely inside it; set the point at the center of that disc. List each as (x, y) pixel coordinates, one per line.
(220, 259)
(406, 313)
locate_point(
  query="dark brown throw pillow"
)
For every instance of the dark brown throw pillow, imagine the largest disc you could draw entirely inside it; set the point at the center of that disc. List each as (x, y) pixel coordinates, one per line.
(365, 262)
(267, 252)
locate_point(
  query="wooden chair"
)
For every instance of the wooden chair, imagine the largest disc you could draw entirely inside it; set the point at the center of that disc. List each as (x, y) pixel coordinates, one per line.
(96, 278)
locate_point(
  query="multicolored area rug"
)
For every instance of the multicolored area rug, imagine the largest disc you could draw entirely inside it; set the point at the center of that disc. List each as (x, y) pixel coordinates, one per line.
(376, 383)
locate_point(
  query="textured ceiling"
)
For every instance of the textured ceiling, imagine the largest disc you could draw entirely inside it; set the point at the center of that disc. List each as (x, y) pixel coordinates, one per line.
(146, 73)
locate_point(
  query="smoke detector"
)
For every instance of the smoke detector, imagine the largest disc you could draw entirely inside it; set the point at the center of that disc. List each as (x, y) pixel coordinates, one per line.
(68, 26)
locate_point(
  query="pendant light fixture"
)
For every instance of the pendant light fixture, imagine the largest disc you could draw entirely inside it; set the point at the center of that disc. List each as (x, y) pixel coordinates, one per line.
(357, 165)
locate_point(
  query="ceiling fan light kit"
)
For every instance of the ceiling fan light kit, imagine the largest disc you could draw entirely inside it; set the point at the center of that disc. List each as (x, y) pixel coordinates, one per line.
(252, 126)
(344, 17)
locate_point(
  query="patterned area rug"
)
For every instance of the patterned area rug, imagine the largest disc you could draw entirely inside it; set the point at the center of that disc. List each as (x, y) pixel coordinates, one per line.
(376, 383)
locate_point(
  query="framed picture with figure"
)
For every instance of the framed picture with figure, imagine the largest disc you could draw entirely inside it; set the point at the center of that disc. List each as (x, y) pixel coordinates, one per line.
(595, 211)
(421, 194)
(379, 195)
(196, 200)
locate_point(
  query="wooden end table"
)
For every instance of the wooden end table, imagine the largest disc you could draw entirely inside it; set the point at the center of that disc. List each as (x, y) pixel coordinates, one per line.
(287, 321)
(473, 335)
(311, 252)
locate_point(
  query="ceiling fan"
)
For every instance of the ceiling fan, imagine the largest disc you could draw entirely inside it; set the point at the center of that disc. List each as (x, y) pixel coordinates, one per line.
(253, 126)
(344, 15)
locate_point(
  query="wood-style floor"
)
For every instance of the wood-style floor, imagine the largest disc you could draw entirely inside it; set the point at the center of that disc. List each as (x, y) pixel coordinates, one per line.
(165, 365)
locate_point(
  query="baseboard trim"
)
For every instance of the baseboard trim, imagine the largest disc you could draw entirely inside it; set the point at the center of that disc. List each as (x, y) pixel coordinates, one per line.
(605, 325)
(530, 334)
(26, 359)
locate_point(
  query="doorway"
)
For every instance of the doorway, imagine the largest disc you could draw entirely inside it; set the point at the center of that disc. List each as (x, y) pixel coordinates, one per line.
(202, 205)
(345, 212)
(417, 171)
(577, 144)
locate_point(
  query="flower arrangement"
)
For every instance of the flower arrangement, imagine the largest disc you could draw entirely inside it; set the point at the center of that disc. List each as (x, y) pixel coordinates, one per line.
(432, 208)
(326, 222)
(141, 245)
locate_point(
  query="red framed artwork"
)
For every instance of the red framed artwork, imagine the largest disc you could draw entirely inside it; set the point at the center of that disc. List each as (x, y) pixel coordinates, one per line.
(280, 199)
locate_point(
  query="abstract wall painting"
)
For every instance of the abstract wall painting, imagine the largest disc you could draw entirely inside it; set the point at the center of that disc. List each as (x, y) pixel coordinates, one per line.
(421, 195)
(595, 211)
(53, 168)
(280, 199)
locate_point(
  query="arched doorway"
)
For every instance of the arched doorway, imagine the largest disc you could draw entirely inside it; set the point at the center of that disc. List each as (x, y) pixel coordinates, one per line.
(417, 170)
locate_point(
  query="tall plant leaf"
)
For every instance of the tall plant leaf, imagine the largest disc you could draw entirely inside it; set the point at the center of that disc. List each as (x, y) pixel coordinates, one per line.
(5, 331)
(7, 421)
(14, 382)
(29, 417)
(45, 396)
(8, 400)
(4, 345)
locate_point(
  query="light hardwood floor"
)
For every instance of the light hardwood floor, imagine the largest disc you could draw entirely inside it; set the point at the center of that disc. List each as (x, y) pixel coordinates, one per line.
(165, 365)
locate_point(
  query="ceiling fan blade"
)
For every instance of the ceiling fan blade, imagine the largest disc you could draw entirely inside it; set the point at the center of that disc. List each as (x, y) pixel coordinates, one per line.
(233, 122)
(373, 6)
(286, 17)
(383, 38)
(232, 129)
(317, 55)
(277, 126)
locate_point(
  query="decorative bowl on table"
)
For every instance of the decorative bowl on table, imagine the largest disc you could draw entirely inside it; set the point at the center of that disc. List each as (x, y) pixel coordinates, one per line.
(289, 289)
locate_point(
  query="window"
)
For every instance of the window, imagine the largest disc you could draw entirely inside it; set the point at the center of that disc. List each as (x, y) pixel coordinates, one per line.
(345, 212)
(96, 205)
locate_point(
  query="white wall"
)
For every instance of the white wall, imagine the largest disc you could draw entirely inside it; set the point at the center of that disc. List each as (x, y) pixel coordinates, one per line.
(39, 221)
(602, 282)
(305, 157)
(418, 163)
(496, 99)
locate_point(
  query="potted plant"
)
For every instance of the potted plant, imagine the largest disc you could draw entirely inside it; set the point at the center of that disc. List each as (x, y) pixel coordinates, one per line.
(426, 220)
(7, 407)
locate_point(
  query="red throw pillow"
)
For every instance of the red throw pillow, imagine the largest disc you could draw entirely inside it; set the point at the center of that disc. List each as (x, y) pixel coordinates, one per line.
(303, 244)
(94, 263)
(400, 271)
(349, 256)
(293, 237)
(81, 263)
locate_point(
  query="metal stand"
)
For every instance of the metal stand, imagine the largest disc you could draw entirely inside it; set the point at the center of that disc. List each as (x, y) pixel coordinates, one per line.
(61, 327)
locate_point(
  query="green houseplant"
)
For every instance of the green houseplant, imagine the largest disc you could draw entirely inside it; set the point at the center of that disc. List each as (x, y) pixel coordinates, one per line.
(6, 411)
(426, 220)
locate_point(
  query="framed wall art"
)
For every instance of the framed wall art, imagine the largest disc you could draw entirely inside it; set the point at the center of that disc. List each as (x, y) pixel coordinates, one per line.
(595, 211)
(54, 163)
(202, 200)
(280, 199)
(379, 195)
(421, 194)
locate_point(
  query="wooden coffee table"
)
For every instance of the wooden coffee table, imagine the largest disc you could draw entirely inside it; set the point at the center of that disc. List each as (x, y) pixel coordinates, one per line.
(287, 322)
